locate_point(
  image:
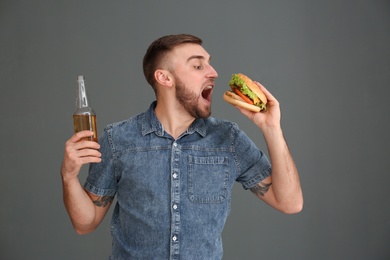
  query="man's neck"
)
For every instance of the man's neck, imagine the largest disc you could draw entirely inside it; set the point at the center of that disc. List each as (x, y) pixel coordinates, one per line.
(175, 121)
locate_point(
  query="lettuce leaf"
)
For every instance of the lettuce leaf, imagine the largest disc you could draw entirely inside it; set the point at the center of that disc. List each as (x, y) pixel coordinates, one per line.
(236, 82)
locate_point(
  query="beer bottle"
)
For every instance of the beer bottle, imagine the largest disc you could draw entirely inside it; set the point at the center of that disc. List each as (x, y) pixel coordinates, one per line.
(84, 117)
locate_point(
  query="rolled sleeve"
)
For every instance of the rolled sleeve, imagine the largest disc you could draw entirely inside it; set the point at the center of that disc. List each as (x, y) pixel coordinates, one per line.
(101, 179)
(252, 164)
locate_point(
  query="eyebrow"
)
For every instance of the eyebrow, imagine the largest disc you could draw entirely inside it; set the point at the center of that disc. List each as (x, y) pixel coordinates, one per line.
(197, 57)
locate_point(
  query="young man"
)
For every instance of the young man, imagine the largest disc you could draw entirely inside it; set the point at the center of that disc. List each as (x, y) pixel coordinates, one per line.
(173, 167)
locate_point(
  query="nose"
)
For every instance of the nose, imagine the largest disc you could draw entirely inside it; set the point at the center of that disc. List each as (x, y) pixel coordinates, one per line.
(212, 72)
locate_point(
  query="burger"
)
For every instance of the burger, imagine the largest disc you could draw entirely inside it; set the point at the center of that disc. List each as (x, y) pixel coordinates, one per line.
(245, 94)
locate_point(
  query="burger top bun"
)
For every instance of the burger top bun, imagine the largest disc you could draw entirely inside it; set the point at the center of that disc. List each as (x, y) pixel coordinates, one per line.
(252, 86)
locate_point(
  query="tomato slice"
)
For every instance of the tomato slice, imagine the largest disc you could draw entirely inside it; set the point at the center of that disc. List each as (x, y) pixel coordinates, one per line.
(245, 98)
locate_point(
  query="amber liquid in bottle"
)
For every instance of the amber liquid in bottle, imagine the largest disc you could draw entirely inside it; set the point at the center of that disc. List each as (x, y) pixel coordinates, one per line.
(85, 122)
(84, 117)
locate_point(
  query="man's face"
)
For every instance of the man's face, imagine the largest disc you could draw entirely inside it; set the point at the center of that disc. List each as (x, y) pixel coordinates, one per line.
(194, 79)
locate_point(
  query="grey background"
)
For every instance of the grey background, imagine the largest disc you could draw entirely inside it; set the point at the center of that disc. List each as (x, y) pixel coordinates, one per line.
(328, 63)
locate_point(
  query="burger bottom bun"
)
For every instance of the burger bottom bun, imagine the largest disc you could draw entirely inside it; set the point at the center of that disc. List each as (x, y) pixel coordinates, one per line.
(235, 100)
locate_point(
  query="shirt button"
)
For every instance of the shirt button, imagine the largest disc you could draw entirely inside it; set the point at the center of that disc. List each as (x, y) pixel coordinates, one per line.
(174, 175)
(174, 206)
(174, 238)
(174, 144)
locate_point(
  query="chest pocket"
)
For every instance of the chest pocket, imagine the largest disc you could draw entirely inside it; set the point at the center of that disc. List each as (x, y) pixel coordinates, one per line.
(207, 179)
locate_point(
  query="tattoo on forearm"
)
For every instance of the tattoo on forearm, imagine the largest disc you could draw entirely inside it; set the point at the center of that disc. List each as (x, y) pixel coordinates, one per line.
(103, 201)
(261, 188)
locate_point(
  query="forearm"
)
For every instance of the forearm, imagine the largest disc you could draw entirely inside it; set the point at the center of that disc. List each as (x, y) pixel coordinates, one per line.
(285, 180)
(79, 206)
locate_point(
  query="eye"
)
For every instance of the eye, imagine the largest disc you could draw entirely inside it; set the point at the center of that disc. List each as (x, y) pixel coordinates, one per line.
(199, 67)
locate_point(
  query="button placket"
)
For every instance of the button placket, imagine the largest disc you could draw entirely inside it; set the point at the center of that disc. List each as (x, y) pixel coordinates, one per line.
(175, 199)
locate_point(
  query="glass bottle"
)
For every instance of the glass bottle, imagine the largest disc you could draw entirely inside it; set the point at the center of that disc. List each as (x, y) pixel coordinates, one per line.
(84, 117)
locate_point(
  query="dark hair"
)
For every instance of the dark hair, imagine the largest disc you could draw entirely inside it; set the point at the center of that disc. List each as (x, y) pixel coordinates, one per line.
(157, 51)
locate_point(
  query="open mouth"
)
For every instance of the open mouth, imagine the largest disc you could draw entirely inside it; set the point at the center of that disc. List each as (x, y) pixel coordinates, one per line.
(206, 93)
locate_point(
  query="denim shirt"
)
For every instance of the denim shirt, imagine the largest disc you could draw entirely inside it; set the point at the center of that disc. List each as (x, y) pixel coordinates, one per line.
(173, 196)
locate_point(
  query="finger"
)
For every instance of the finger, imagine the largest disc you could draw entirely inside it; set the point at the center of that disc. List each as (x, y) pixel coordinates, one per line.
(86, 160)
(85, 144)
(244, 111)
(79, 135)
(247, 113)
(75, 159)
(265, 90)
(88, 153)
(72, 148)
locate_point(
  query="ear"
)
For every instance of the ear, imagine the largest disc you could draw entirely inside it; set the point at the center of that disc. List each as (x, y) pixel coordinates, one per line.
(164, 78)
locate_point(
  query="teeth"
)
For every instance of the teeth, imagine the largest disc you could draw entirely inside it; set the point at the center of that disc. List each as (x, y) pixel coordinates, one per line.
(209, 87)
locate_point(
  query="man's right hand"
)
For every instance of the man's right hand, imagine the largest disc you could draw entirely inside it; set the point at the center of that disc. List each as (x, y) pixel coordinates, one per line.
(77, 153)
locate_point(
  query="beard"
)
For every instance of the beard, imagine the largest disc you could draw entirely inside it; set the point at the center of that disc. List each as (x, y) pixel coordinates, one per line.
(190, 101)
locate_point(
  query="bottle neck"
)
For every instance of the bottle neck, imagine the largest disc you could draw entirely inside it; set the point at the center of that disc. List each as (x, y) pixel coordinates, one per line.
(82, 106)
(81, 100)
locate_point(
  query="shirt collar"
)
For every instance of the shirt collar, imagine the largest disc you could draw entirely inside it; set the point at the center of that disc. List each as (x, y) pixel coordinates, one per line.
(151, 124)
